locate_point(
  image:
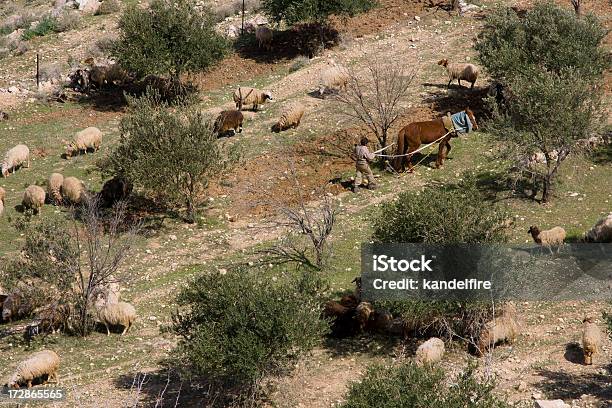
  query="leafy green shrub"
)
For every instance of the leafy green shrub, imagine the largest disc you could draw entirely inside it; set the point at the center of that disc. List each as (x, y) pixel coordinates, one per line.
(548, 36)
(168, 38)
(407, 385)
(108, 7)
(608, 319)
(238, 326)
(295, 11)
(453, 214)
(170, 154)
(45, 26)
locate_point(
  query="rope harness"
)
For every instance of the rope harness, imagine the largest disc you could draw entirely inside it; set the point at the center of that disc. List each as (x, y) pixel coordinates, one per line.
(391, 156)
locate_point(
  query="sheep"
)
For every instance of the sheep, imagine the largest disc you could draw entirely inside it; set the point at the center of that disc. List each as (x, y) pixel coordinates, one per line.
(14, 158)
(380, 321)
(38, 366)
(550, 238)
(429, 352)
(2, 195)
(591, 340)
(100, 75)
(601, 232)
(73, 190)
(54, 186)
(532, 161)
(504, 328)
(362, 314)
(229, 120)
(250, 96)
(335, 77)
(13, 306)
(34, 198)
(89, 138)
(290, 118)
(116, 189)
(349, 301)
(264, 36)
(335, 309)
(467, 72)
(112, 313)
(49, 319)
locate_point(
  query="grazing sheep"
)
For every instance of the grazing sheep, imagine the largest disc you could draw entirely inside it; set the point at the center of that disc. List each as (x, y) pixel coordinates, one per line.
(13, 306)
(229, 120)
(34, 198)
(290, 118)
(89, 138)
(116, 314)
(591, 339)
(116, 189)
(250, 96)
(264, 37)
(38, 366)
(601, 232)
(73, 190)
(344, 319)
(362, 314)
(50, 318)
(2, 195)
(550, 238)
(54, 187)
(429, 352)
(501, 329)
(467, 72)
(333, 78)
(14, 158)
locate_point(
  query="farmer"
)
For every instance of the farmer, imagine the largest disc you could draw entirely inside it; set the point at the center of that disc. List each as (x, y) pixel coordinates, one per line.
(362, 156)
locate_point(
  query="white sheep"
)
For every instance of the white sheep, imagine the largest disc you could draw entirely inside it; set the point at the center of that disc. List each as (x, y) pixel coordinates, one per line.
(290, 117)
(33, 198)
(73, 190)
(250, 96)
(2, 196)
(333, 78)
(112, 313)
(591, 339)
(54, 188)
(501, 329)
(601, 232)
(89, 138)
(14, 158)
(37, 366)
(429, 352)
(532, 161)
(467, 72)
(264, 37)
(552, 238)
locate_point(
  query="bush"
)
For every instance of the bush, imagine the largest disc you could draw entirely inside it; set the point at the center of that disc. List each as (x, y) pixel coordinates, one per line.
(171, 155)
(46, 26)
(108, 7)
(168, 38)
(454, 214)
(68, 20)
(238, 326)
(549, 37)
(295, 11)
(406, 385)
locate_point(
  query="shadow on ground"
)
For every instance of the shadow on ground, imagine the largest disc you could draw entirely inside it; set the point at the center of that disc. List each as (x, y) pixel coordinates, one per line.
(562, 385)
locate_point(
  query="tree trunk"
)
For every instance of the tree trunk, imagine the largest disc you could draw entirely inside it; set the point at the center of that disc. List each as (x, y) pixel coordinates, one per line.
(577, 7)
(455, 5)
(546, 189)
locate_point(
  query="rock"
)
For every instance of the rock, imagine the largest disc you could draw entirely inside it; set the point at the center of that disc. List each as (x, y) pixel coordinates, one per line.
(15, 35)
(232, 31)
(13, 89)
(522, 386)
(172, 237)
(550, 404)
(417, 18)
(60, 4)
(34, 24)
(89, 6)
(536, 395)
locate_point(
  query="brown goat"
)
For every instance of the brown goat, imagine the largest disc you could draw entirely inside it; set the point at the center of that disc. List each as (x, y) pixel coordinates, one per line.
(229, 120)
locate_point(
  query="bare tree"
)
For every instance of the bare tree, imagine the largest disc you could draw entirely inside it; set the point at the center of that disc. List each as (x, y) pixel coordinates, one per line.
(577, 7)
(374, 98)
(316, 223)
(102, 247)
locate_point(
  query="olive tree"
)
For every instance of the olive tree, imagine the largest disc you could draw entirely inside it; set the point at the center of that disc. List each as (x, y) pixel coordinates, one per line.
(169, 154)
(167, 38)
(551, 63)
(296, 11)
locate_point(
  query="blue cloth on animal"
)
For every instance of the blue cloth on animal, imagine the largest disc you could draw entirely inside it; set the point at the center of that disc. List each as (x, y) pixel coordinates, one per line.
(461, 122)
